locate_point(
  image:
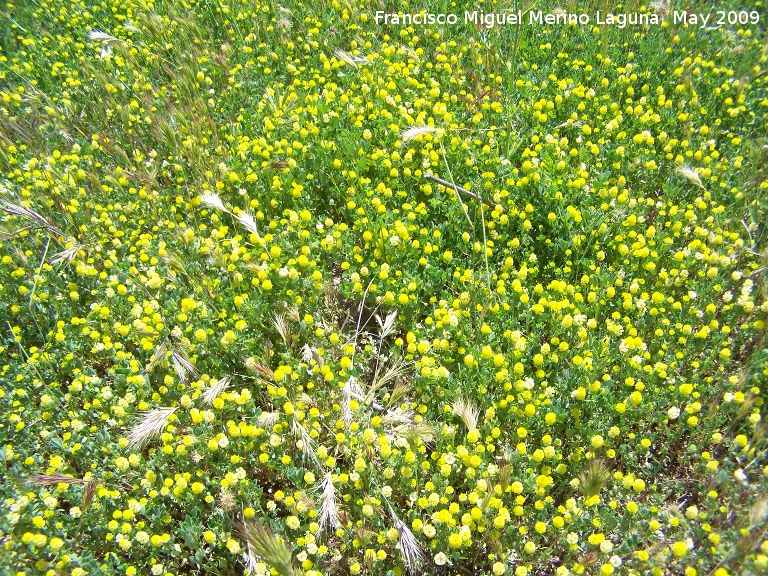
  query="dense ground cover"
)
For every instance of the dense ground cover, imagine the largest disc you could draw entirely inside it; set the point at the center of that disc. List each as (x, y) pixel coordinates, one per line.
(239, 328)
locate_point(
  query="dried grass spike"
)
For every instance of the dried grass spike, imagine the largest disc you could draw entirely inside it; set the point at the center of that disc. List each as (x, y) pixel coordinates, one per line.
(150, 424)
(347, 58)
(20, 210)
(387, 325)
(158, 355)
(468, 413)
(410, 550)
(758, 513)
(268, 419)
(282, 327)
(213, 201)
(184, 368)
(691, 175)
(305, 442)
(68, 254)
(99, 36)
(89, 492)
(415, 131)
(398, 393)
(594, 478)
(52, 479)
(215, 389)
(246, 219)
(395, 371)
(329, 510)
(266, 545)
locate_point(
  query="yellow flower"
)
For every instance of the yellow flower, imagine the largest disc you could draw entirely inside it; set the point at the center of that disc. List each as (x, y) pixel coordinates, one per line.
(679, 549)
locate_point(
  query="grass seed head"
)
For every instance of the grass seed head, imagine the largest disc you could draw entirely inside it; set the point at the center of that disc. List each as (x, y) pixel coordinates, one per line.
(329, 510)
(415, 131)
(213, 201)
(468, 413)
(149, 425)
(594, 478)
(267, 546)
(410, 550)
(691, 175)
(53, 479)
(215, 389)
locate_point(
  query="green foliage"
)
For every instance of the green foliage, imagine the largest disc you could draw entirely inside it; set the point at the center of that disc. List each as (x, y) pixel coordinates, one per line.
(240, 329)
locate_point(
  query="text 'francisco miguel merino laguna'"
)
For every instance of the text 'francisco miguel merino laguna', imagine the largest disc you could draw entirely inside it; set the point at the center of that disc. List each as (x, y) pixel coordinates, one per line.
(538, 17)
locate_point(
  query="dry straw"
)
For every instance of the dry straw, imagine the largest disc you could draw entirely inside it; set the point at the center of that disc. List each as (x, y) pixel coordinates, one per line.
(691, 175)
(264, 544)
(410, 550)
(215, 389)
(468, 413)
(329, 510)
(149, 425)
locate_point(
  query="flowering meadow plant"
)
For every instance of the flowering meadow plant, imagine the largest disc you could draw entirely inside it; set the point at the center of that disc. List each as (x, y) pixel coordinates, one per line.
(285, 290)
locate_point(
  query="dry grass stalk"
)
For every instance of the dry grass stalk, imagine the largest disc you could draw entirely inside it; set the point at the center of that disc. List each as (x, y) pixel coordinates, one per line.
(150, 424)
(215, 389)
(184, 368)
(410, 550)
(691, 175)
(264, 544)
(329, 510)
(52, 479)
(415, 131)
(468, 413)
(89, 492)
